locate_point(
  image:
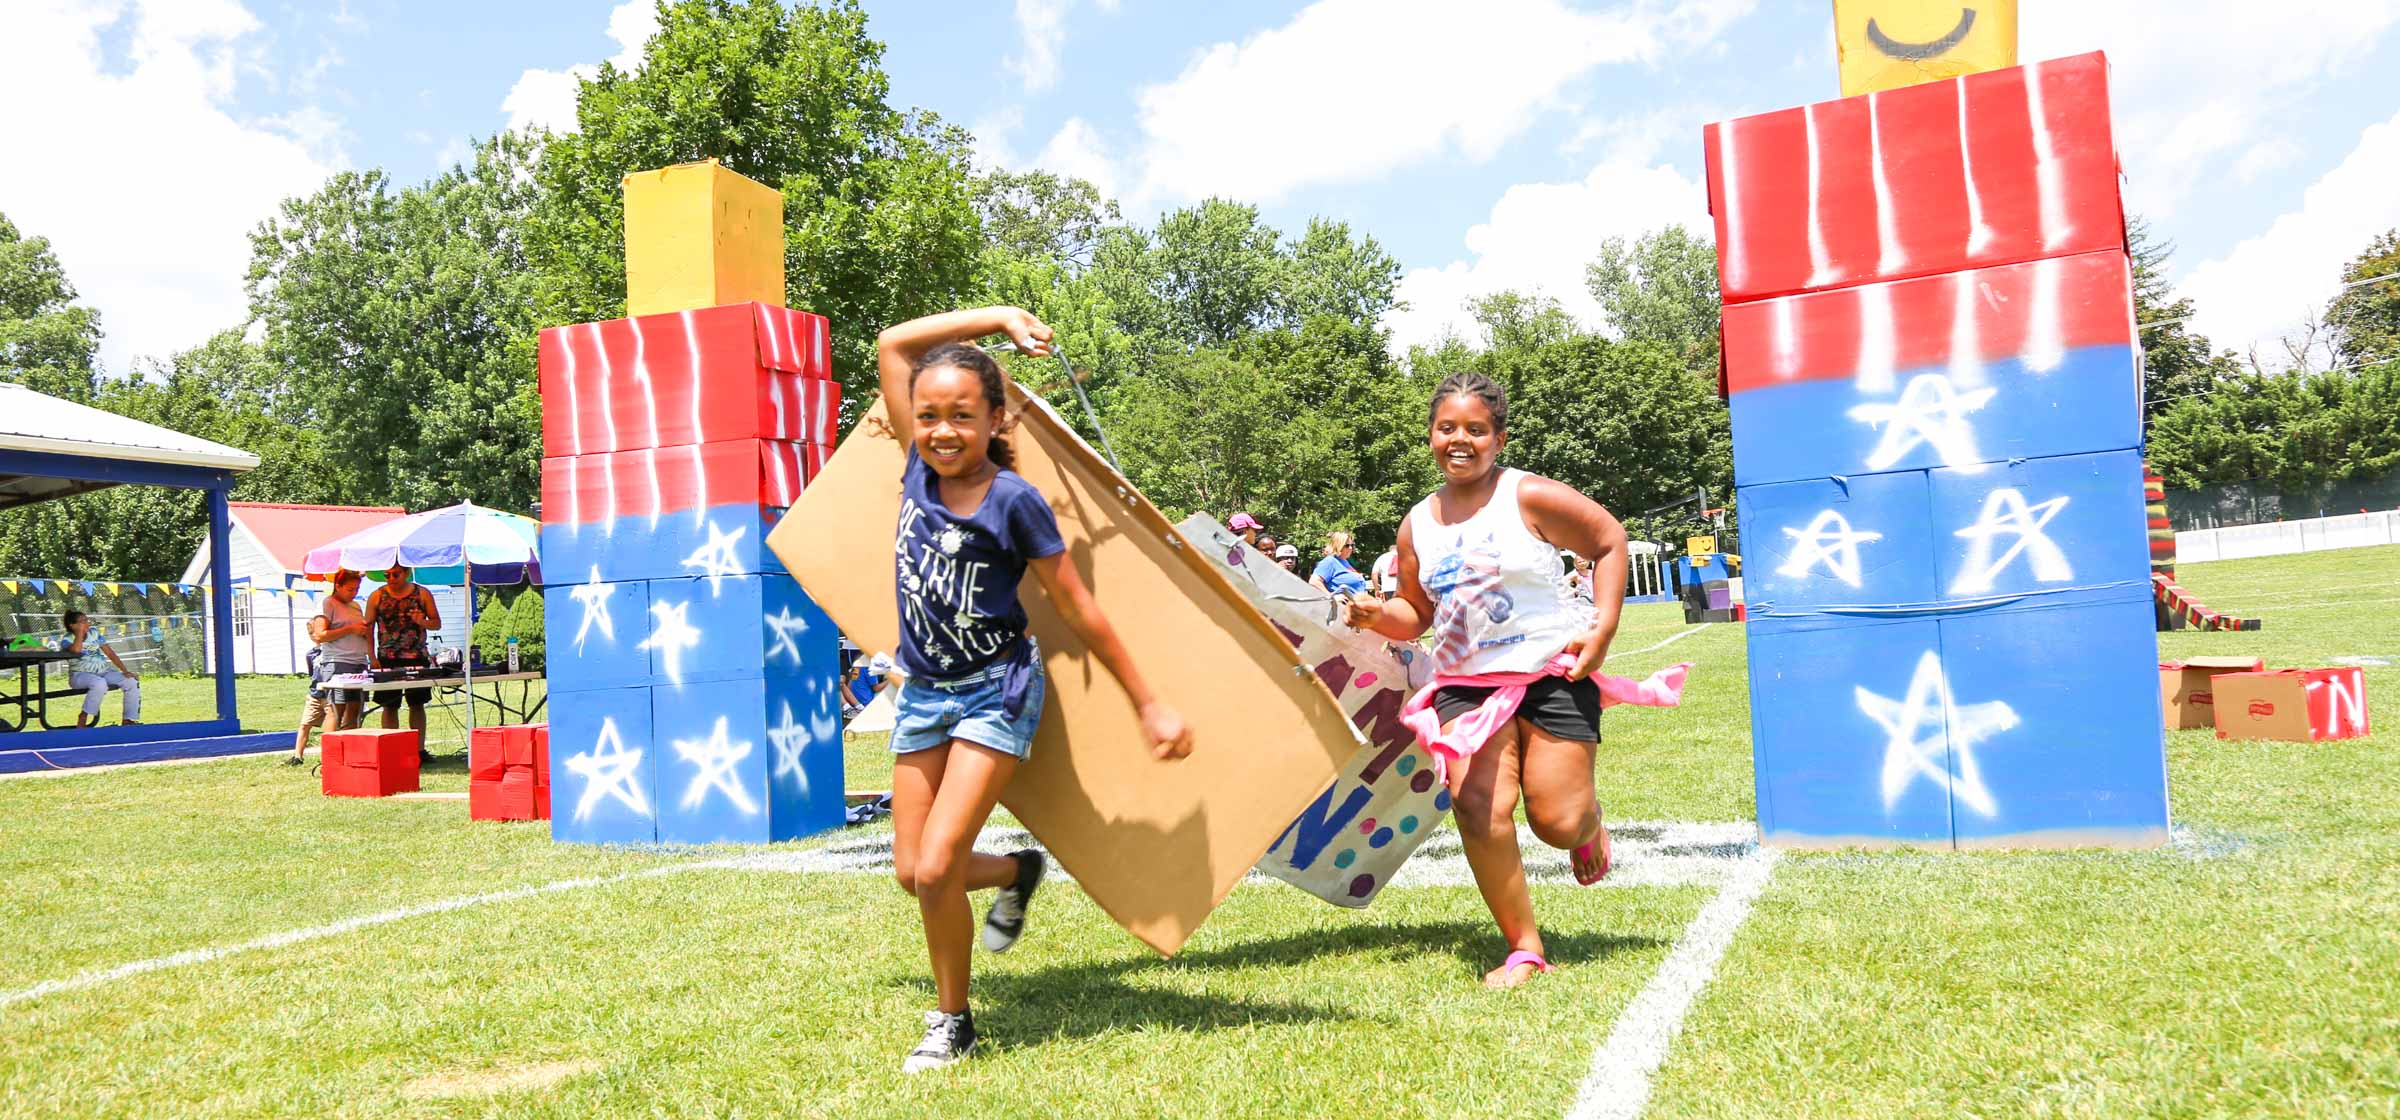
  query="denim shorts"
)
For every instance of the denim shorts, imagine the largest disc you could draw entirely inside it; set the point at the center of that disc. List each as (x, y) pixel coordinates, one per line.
(931, 713)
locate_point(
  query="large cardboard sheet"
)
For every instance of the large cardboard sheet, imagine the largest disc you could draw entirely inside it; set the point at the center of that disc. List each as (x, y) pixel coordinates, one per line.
(1156, 844)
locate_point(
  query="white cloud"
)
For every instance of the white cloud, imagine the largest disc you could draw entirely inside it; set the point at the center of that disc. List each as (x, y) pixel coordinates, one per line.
(2275, 282)
(1076, 150)
(1349, 90)
(2194, 83)
(546, 98)
(1539, 238)
(2264, 156)
(1042, 29)
(90, 166)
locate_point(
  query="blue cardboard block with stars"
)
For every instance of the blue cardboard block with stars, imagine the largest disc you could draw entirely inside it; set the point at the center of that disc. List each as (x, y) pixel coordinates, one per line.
(729, 627)
(750, 760)
(603, 760)
(1859, 751)
(595, 630)
(1828, 552)
(2043, 533)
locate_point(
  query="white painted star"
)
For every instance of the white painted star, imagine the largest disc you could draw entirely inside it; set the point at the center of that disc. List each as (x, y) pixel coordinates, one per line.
(2005, 513)
(717, 559)
(1829, 540)
(787, 627)
(1929, 411)
(608, 770)
(714, 759)
(592, 595)
(671, 633)
(788, 737)
(1934, 737)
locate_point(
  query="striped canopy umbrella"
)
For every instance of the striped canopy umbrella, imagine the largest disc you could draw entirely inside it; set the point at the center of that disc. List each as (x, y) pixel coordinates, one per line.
(493, 546)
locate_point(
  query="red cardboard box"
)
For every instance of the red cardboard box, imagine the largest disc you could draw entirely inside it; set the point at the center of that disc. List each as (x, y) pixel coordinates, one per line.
(517, 747)
(2186, 688)
(516, 795)
(2295, 705)
(541, 754)
(369, 763)
(486, 753)
(1988, 169)
(483, 800)
(741, 371)
(582, 489)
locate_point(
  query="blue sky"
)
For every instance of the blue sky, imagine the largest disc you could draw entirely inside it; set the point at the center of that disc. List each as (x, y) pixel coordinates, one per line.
(1487, 145)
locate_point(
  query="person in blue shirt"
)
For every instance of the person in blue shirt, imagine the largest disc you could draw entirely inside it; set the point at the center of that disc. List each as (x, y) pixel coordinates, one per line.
(96, 669)
(1333, 574)
(969, 530)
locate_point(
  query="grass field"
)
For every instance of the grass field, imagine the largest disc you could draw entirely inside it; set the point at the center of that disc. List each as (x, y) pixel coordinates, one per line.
(2251, 969)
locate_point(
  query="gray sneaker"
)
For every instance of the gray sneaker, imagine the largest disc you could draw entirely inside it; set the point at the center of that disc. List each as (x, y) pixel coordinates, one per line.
(1006, 922)
(949, 1039)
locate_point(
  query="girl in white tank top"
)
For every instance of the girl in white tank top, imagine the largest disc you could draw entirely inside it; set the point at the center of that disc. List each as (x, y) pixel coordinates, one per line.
(1486, 591)
(1497, 607)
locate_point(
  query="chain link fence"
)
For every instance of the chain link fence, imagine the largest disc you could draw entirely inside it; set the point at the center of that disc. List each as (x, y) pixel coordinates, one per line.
(155, 627)
(2259, 503)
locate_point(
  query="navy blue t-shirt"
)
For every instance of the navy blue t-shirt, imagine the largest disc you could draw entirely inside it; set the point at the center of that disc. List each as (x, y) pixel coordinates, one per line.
(958, 575)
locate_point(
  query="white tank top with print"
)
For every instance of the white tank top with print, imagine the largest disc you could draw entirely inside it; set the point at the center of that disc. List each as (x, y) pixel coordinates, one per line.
(1494, 586)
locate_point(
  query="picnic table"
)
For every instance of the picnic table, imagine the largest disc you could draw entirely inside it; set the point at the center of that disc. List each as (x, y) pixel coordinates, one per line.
(447, 688)
(33, 695)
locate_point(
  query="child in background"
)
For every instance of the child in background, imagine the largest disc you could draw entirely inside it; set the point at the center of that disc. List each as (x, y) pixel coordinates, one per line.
(1288, 556)
(969, 529)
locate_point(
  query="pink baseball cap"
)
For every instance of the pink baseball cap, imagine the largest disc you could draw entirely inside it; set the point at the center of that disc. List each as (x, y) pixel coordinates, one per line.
(1243, 521)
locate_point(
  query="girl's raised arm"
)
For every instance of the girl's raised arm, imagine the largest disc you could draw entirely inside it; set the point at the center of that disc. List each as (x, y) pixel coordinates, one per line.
(898, 348)
(1169, 737)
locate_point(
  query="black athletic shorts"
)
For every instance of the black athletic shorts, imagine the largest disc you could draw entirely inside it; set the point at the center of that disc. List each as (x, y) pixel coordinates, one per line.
(1567, 709)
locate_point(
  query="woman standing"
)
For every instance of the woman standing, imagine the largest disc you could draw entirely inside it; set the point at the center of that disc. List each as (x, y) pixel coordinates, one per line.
(1479, 567)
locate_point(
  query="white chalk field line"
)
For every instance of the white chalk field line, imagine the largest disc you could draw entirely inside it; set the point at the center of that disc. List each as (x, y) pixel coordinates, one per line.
(1618, 1086)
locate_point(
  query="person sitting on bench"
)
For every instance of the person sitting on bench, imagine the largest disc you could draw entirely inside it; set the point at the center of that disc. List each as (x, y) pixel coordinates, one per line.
(91, 671)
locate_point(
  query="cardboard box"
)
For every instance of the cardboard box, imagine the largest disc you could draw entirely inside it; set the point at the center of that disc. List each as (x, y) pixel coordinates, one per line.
(2185, 688)
(742, 371)
(2294, 705)
(483, 800)
(369, 763)
(486, 748)
(701, 235)
(1889, 44)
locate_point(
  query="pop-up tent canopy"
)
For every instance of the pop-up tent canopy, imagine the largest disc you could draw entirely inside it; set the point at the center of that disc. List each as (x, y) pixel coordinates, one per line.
(52, 448)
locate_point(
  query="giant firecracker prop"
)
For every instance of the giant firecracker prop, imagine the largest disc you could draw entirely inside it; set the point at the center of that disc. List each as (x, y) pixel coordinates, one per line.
(1156, 844)
(1929, 353)
(692, 683)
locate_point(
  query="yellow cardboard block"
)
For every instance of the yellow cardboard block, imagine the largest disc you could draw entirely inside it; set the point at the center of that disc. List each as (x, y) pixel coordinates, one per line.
(1887, 44)
(699, 235)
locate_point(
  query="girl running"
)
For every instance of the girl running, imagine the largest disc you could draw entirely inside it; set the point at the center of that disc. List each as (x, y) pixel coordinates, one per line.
(969, 530)
(1512, 658)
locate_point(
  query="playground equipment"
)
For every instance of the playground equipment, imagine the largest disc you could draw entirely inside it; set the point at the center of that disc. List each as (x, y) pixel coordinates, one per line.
(1929, 351)
(693, 693)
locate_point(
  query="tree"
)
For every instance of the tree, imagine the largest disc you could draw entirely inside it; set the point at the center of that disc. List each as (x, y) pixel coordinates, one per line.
(223, 390)
(47, 343)
(879, 213)
(1041, 216)
(1217, 270)
(2176, 361)
(1337, 275)
(405, 320)
(1625, 422)
(1662, 288)
(2294, 430)
(2365, 318)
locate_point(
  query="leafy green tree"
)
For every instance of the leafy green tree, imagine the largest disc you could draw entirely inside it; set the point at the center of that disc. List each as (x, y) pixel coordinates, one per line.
(1335, 274)
(2365, 318)
(1204, 431)
(1042, 216)
(47, 343)
(879, 210)
(1625, 422)
(404, 320)
(2294, 431)
(2177, 363)
(1661, 288)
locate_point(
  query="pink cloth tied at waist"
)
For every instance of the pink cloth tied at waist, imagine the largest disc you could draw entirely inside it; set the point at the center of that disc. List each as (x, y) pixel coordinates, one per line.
(1468, 734)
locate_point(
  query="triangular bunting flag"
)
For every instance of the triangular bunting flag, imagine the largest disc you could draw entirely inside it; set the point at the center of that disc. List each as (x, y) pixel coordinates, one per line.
(41, 586)
(84, 586)
(109, 587)
(10, 584)
(141, 589)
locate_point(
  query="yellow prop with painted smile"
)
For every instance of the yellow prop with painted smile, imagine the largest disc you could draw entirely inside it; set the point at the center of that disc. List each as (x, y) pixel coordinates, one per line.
(1886, 44)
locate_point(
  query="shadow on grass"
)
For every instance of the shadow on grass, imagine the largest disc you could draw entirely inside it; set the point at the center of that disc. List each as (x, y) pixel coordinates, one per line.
(1074, 1001)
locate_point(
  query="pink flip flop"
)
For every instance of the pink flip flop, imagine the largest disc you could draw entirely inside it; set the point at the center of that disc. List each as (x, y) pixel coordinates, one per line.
(1591, 861)
(1522, 957)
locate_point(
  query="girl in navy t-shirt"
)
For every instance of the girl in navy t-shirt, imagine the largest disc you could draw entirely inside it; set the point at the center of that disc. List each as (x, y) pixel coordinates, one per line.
(969, 530)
